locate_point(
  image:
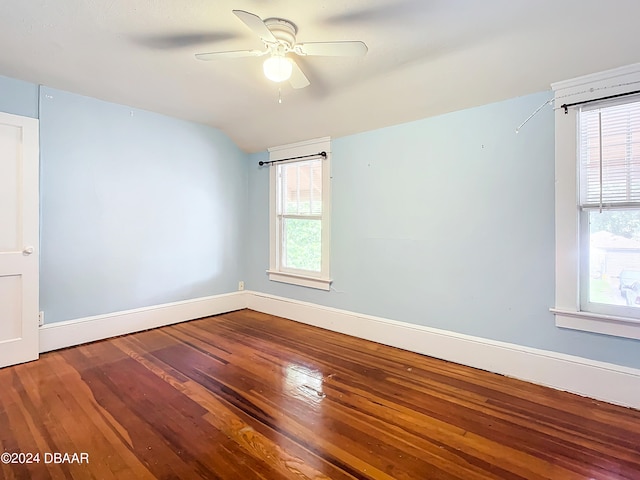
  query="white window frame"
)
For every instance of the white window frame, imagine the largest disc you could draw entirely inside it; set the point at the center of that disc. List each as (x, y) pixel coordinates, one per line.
(567, 309)
(277, 272)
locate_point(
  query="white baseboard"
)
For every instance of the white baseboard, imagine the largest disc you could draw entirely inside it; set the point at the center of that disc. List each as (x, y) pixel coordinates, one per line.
(599, 380)
(75, 332)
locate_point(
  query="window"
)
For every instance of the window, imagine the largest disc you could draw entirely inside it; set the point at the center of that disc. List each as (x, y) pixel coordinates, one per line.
(609, 165)
(300, 192)
(598, 203)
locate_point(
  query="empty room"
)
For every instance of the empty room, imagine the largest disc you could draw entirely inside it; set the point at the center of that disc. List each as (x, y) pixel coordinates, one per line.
(358, 239)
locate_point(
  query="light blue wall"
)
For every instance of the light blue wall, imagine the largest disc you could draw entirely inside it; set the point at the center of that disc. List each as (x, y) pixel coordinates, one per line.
(446, 222)
(137, 208)
(18, 97)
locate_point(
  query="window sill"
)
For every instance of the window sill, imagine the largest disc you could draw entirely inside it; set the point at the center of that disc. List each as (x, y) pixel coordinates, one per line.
(597, 323)
(301, 280)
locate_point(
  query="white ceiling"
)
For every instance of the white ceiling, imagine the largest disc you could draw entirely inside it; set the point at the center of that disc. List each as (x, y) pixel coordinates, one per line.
(426, 57)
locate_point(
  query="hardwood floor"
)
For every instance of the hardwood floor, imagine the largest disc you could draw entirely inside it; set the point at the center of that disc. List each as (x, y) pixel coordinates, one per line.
(250, 396)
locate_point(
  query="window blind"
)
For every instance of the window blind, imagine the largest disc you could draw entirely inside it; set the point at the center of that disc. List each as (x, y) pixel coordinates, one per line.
(301, 188)
(609, 155)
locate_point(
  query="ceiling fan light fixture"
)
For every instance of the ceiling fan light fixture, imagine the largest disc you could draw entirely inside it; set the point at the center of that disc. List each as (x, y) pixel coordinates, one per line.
(277, 68)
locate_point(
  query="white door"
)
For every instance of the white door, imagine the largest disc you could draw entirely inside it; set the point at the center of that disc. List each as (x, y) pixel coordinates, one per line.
(19, 158)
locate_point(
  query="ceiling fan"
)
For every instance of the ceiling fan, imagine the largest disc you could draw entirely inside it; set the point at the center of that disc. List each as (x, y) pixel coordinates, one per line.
(279, 38)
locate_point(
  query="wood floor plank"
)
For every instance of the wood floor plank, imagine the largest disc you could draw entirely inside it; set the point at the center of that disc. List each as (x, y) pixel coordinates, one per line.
(251, 396)
(292, 461)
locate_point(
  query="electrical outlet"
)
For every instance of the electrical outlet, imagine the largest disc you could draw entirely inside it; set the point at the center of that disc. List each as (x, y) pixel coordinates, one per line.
(40, 319)
(240, 285)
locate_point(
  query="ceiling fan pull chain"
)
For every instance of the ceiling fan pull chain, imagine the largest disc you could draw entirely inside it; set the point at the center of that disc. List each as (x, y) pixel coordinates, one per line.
(279, 95)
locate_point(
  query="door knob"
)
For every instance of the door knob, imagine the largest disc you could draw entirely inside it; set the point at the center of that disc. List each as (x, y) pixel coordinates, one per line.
(27, 251)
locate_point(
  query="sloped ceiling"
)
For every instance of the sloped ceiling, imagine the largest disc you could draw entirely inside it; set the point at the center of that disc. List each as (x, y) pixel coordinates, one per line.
(426, 57)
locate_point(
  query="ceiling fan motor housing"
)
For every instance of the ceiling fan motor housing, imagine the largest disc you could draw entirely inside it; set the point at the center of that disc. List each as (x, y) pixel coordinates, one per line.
(284, 31)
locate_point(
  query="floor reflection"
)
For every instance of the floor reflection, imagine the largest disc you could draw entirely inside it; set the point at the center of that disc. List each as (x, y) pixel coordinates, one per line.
(304, 383)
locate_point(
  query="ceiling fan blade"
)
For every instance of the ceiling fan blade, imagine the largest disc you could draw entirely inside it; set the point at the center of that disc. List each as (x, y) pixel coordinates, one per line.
(396, 11)
(181, 40)
(298, 78)
(332, 49)
(256, 24)
(230, 54)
